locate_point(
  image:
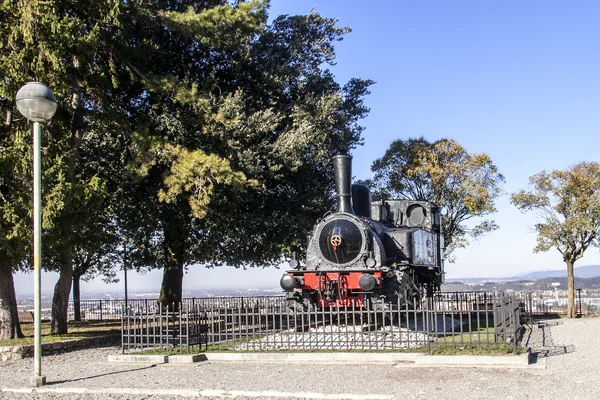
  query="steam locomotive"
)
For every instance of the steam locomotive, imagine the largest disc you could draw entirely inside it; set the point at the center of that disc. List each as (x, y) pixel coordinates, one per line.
(383, 255)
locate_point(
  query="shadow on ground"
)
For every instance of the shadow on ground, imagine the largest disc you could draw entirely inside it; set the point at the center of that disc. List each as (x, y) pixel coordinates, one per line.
(540, 344)
(100, 375)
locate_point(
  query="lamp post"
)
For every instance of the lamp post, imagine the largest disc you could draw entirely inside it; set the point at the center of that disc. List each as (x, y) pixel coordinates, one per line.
(37, 103)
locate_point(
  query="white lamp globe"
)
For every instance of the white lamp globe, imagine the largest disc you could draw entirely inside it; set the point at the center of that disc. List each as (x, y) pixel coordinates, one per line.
(36, 102)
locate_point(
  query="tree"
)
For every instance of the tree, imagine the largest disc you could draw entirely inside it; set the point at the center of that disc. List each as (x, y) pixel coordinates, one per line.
(568, 205)
(175, 173)
(258, 99)
(226, 125)
(462, 184)
(64, 45)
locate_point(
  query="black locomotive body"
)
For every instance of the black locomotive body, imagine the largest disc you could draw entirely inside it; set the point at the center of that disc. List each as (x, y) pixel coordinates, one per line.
(387, 254)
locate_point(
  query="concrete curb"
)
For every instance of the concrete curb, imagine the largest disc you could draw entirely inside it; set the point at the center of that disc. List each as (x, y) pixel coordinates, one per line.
(401, 359)
(186, 359)
(156, 359)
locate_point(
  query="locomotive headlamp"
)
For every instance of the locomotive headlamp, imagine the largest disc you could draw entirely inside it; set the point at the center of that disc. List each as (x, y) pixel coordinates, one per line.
(370, 262)
(294, 264)
(367, 282)
(289, 283)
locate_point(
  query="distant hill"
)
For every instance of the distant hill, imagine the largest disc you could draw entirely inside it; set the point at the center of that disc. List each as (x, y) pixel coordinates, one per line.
(585, 271)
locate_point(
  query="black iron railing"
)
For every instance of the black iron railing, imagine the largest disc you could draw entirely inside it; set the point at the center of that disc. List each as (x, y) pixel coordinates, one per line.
(450, 322)
(532, 305)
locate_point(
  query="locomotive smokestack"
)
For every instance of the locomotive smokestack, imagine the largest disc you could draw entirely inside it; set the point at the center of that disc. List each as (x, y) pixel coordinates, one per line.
(342, 176)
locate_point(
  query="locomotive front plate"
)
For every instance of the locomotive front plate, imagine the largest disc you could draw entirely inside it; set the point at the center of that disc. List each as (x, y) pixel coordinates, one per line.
(341, 241)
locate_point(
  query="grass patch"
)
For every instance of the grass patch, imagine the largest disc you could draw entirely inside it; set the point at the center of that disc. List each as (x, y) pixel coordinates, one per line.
(472, 340)
(77, 330)
(472, 349)
(482, 335)
(170, 351)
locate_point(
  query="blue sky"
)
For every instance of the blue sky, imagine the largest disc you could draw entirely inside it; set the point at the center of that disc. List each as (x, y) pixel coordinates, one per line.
(517, 80)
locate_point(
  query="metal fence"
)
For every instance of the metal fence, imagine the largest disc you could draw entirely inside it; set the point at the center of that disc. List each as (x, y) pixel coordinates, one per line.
(450, 322)
(537, 305)
(161, 328)
(93, 310)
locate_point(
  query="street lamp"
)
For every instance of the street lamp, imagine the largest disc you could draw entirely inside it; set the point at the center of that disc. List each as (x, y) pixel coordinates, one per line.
(37, 103)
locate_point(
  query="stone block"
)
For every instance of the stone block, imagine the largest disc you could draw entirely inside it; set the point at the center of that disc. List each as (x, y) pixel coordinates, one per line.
(187, 358)
(37, 381)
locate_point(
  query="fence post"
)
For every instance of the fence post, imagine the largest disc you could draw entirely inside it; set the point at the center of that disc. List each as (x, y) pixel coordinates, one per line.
(516, 326)
(100, 309)
(123, 331)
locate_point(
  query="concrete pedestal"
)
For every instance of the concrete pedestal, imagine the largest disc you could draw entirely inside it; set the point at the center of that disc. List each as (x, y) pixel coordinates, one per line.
(37, 381)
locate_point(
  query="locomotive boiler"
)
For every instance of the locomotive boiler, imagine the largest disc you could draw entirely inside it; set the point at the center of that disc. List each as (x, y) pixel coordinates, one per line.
(383, 255)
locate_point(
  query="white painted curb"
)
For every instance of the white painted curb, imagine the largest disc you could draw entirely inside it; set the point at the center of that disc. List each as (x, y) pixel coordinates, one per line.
(205, 393)
(316, 357)
(417, 359)
(508, 360)
(141, 359)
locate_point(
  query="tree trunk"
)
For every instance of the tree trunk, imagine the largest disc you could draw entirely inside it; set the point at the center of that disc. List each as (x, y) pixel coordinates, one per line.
(571, 312)
(172, 283)
(76, 298)
(62, 290)
(171, 287)
(9, 316)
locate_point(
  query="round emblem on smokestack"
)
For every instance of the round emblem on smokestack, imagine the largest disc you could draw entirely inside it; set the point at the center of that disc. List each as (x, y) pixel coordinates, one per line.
(336, 240)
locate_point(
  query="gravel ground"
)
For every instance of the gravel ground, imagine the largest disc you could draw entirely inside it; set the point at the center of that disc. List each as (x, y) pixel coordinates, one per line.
(570, 349)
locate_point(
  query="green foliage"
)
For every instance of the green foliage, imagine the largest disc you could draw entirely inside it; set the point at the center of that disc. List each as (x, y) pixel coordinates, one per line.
(221, 26)
(15, 197)
(170, 86)
(192, 172)
(43, 40)
(463, 184)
